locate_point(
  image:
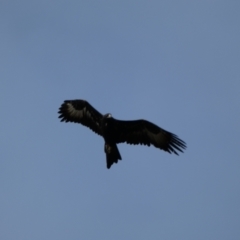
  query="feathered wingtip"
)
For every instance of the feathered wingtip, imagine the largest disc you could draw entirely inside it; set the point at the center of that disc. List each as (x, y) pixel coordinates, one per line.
(176, 143)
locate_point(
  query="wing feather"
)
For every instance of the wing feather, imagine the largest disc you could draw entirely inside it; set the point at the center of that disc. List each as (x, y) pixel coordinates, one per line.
(147, 133)
(80, 111)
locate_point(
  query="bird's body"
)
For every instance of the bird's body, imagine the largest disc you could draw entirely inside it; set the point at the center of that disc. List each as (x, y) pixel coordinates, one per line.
(117, 131)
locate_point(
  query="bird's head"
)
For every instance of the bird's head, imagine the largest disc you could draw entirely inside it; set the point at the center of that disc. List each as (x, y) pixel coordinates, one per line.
(106, 119)
(108, 115)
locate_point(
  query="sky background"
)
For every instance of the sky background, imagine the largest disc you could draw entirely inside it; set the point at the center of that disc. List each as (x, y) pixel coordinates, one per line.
(175, 63)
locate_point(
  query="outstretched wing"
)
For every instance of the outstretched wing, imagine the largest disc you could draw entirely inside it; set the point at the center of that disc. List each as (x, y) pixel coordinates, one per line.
(147, 133)
(80, 111)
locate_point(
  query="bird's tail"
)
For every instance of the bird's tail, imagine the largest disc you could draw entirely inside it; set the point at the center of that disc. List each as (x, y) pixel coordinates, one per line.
(112, 154)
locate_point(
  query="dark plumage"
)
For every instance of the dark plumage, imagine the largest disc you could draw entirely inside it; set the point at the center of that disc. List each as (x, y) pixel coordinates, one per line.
(117, 131)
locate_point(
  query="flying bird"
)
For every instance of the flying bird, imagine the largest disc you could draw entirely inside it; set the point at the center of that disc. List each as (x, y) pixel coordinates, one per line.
(116, 131)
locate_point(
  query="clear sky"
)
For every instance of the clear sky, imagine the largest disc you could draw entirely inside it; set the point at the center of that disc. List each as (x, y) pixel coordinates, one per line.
(175, 63)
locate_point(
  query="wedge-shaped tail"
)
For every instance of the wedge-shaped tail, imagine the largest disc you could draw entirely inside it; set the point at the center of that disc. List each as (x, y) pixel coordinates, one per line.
(112, 154)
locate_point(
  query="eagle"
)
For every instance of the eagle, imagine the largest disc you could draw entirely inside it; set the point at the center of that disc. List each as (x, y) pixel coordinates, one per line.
(116, 131)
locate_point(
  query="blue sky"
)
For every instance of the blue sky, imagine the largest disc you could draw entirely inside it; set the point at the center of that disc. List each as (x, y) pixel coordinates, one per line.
(175, 63)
